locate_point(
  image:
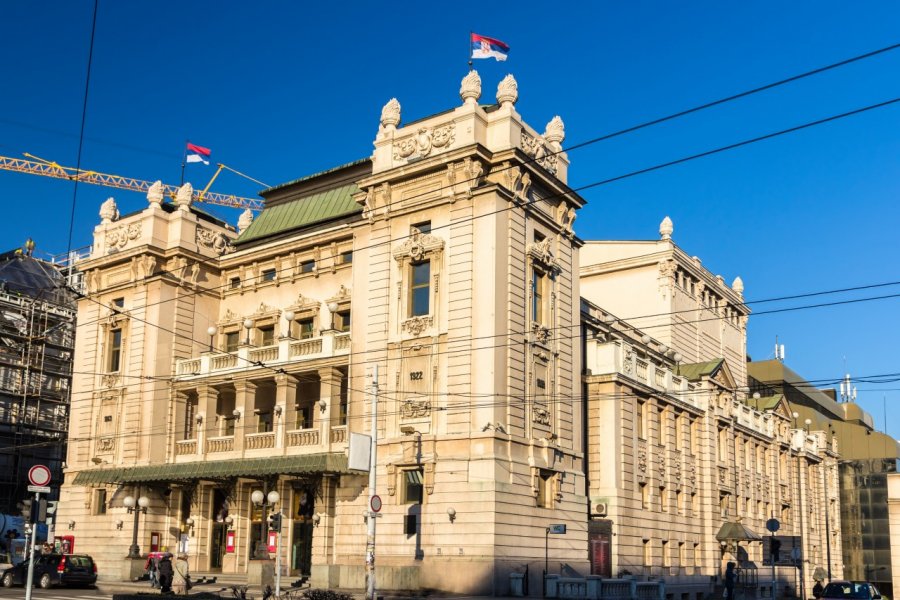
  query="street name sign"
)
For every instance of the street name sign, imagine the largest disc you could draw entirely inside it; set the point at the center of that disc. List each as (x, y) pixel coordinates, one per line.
(40, 489)
(561, 528)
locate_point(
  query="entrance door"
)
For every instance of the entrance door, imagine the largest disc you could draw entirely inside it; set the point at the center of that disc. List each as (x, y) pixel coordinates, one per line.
(599, 540)
(301, 548)
(217, 546)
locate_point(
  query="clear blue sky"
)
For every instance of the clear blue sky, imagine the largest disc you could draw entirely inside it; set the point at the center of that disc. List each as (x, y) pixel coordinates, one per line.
(282, 89)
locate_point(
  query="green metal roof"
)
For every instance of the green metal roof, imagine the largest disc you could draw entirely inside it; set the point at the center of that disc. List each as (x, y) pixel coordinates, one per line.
(694, 371)
(315, 208)
(248, 467)
(766, 402)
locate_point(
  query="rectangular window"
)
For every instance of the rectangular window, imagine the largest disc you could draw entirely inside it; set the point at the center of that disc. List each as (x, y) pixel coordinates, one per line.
(682, 555)
(234, 283)
(342, 410)
(342, 320)
(268, 275)
(264, 422)
(645, 496)
(304, 416)
(119, 303)
(679, 502)
(267, 335)
(666, 559)
(347, 257)
(695, 504)
(190, 409)
(423, 227)
(697, 558)
(648, 553)
(306, 328)
(723, 505)
(679, 435)
(99, 501)
(641, 421)
(723, 444)
(545, 489)
(307, 266)
(660, 425)
(663, 499)
(115, 351)
(538, 295)
(232, 341)
(420, 289)
(413, 483)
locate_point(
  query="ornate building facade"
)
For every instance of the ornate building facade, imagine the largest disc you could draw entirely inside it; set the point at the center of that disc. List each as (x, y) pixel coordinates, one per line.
(229, 362)
(684, 465)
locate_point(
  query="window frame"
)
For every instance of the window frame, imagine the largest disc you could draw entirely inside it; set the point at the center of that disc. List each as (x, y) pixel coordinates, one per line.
(115, 337)
(412, 309)
(407, 486)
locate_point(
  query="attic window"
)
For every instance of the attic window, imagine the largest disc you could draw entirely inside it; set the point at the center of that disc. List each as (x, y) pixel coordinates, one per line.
(268, 275)
(307, 266)
(234, 283)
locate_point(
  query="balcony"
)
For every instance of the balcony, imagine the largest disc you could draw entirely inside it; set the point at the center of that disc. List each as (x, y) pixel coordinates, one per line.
(286, 351)
(269, 443)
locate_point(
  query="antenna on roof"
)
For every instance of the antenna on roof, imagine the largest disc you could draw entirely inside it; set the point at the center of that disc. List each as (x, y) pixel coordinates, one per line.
(779, 350)
(848, 390)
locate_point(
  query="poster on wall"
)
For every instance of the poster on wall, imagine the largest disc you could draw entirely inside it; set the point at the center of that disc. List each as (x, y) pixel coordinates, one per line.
(154, 541)
(273, 541)
(229, 541)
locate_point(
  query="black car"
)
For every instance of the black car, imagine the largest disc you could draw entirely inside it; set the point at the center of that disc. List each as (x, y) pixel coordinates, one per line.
(851, 590)
(54, 569)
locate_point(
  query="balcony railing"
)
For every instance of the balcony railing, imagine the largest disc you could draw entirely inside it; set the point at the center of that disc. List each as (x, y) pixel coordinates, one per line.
(338, 434)
(220, 444)
(303, 437)
(185, 447)
(256, 441)
(329, 345)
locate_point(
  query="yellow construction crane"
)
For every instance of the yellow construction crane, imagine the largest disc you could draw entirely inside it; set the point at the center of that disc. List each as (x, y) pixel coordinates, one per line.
(46, 168)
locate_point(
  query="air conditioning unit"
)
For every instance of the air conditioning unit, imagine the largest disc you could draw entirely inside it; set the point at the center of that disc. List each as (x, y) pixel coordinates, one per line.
(601, 508)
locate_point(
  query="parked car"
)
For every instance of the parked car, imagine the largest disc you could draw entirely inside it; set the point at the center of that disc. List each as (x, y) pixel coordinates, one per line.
(54, 569)
(851, 590)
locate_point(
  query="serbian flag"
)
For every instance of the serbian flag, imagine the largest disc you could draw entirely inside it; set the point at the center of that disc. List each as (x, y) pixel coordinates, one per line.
(195, 153)
(485, 47)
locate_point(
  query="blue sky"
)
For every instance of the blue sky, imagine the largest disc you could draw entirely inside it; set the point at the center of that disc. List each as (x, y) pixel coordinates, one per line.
(282, 89)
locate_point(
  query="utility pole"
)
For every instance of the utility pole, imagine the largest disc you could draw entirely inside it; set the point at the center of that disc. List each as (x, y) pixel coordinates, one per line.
(30, 547)
(370, 537)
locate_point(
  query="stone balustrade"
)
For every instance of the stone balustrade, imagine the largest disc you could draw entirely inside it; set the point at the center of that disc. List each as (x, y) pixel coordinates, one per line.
(258, 441)
(185, 447)
(220, 444)
(303, 437)
(286, 351)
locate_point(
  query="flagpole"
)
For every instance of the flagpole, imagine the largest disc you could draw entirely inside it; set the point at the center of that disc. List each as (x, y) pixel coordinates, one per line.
(471, 68)
(184, 161)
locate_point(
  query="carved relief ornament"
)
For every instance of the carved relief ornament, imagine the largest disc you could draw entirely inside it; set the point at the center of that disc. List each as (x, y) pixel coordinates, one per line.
(425, 141)
(416, 325)
(417, 246)
(120, 236)
(540, 415)
(536, 147)
(216, 241)
(542, 253)
(415, 409)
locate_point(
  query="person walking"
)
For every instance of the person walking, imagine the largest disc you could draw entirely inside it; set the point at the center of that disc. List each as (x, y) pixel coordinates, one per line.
(165, 570)
(181, 576)
(818, 590)
(730, 577)
(150, 568)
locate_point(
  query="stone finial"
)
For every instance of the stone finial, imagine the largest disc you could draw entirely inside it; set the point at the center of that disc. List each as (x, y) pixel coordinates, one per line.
(184, 196)
(109, 212)
(665, 229)
(245, 220)
(738, 286)
(470, 89)
(155, 194)
(555, 133)
(507, 91)
(390, 114)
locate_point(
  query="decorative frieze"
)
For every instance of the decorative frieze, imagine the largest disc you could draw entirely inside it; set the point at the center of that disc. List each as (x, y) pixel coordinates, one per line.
(540, 415)
(415, 408)
(120, 236)
(425, 141)
(416, 325)
(216, 241)
(536, 148)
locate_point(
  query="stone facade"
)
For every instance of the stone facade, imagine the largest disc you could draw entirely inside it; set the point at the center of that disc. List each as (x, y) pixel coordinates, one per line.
(239, 356)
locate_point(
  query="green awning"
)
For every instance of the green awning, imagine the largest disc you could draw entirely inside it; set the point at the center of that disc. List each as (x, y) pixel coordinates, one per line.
(217, 469)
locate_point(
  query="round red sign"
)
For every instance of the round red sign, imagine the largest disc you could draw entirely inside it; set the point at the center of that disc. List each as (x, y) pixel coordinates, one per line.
(39, 475)
(376, 503)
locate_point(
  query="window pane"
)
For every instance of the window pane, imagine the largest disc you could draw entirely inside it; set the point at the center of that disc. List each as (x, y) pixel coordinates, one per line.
(115, 349)
(306, 329)
(420, 289)
(268, 275)
(231, 341)
(420, 302)
(267, 336)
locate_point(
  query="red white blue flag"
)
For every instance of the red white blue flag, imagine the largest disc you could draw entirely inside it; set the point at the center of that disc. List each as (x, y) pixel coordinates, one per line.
(195, 153)
(485, 47)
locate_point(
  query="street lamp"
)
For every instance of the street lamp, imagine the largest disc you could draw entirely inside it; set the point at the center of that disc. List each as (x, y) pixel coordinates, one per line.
(289, 319)
(333, 308)
(137, 508)
(248, 325)
(268, 501)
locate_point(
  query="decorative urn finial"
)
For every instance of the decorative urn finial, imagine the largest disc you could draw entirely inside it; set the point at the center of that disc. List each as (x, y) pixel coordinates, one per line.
(390, 114)
(109, 212)
(184, 196)
(155, 194)
(665, 229)
(245, 220)
(470, 89)
(555, 133)
(738, 286)
(507, 91)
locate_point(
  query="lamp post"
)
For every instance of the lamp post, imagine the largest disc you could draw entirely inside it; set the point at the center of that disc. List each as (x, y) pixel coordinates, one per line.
(138, 507)
(333, 308)
(211, 331)
(268, 501)
(289, 320)
(248, 325)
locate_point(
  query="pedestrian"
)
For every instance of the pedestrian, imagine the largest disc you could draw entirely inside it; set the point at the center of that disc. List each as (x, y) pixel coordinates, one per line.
(730, 576)
(818, 590)
(181, 577)
(152, 572)
(164, 567)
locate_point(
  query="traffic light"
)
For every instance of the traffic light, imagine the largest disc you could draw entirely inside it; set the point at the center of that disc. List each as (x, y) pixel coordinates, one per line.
(775, 550)
(275, 522)
(51, 506)
(41, 511)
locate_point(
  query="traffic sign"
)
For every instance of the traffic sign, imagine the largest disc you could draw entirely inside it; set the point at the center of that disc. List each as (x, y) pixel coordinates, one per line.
(39, 475)
(773, 525)
(376, 503)
(40, 489)
(561, 528)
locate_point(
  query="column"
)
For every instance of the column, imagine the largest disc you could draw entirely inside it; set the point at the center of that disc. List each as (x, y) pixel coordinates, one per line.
(286, 398)
(207, 400)
(244, 397)
(330, 394)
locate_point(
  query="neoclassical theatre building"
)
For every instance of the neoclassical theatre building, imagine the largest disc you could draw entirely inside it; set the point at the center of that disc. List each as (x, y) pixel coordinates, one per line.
(212, 362)
(517, 385)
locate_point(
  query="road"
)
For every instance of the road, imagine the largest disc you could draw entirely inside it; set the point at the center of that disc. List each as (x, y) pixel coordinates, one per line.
(55, 593)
